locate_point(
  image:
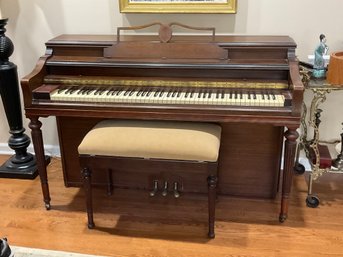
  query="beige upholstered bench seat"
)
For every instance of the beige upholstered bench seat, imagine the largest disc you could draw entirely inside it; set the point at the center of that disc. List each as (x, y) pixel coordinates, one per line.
(153, 139)
(167, 141)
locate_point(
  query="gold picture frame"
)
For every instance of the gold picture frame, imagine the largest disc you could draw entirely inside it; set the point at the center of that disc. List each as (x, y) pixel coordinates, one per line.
(178, 6)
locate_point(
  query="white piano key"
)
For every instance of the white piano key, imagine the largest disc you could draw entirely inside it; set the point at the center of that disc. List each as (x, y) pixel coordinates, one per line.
(170, 96)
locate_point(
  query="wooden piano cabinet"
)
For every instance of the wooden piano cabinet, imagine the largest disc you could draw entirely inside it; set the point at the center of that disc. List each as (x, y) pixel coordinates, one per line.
(250, 157)
(248, 165)
(252, 136)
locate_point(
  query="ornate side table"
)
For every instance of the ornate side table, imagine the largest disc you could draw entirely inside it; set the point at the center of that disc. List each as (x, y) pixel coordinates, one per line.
(320, 89)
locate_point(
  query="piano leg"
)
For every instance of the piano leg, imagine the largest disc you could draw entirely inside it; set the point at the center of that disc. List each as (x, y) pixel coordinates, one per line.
(38, 146)
(291, 136)
(212, 181)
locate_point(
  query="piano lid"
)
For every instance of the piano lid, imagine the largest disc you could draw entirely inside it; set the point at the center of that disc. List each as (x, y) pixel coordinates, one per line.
(165, 48)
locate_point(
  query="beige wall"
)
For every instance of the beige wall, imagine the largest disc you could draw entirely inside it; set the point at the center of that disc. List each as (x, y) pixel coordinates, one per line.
(33, 22)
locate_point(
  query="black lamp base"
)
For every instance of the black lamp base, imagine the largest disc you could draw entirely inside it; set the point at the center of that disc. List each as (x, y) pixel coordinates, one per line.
(23, 170)
(12, 169)
(22, 165)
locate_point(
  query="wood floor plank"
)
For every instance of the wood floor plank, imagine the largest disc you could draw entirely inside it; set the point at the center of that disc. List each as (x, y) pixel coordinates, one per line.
(129, 223)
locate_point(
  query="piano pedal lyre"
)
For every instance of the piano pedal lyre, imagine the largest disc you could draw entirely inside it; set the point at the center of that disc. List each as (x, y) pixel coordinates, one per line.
(176, 188)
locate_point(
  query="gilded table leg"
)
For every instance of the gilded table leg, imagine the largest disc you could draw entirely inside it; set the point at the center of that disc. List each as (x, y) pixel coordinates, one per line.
(38, 146)
(291, 136)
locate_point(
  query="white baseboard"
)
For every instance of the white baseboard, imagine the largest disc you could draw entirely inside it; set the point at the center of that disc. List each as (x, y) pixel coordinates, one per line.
(51, 150)
(304, 161)
(54, 151)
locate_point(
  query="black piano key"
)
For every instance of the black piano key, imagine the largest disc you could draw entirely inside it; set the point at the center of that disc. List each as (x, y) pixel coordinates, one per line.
(127, 92)
(85, 90)
(148, 93)
(143, 92)
(80, 91)
(140, 92)
(102, 91)
(72, 90)
(132, 92)
(61, 90)
(93, 89)
(156, 93)
(115, 91)
(192, 94)
(118, 92)
(169, 92)
(179, 93)
(90, 91)
(110, 91)
(98, 91)
(200, 94)
(68, 90)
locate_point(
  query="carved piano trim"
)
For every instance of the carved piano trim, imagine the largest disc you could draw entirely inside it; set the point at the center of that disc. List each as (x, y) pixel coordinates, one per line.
(165, 49)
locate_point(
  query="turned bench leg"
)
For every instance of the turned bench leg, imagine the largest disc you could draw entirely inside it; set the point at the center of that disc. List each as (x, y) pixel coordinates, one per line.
(212, 195)
(86, 173)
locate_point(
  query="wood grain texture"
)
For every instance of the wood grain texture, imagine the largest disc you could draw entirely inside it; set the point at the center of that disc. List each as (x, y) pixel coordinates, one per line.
(129, 223)
(249, 164)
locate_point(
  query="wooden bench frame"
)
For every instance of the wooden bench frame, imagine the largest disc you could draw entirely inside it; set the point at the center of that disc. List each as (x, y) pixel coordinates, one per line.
(89, 163)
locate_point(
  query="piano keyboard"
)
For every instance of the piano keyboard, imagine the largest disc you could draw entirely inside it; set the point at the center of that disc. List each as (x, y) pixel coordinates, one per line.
(168, 96)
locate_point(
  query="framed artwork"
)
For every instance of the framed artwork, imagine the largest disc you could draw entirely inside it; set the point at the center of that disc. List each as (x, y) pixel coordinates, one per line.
(178, 6)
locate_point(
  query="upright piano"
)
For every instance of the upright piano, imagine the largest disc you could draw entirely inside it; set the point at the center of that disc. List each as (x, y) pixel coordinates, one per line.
(250, 85)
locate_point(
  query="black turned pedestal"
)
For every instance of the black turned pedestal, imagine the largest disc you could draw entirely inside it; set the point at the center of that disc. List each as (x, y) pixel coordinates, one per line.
(22, 164)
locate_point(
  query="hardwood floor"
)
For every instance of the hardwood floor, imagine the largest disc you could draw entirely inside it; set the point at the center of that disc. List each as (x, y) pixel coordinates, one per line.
(129, 223)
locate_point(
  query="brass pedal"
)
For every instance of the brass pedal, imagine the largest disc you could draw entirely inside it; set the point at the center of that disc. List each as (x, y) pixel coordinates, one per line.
(176, 190)
(155, 189)
(165, 188)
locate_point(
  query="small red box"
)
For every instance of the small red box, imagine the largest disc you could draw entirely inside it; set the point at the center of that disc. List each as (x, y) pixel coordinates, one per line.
(325, 157)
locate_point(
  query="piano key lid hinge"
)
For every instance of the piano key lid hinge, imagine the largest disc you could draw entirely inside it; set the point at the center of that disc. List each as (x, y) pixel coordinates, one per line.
(166, 48)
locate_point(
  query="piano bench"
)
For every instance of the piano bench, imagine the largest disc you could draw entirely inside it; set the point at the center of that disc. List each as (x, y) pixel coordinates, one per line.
(165, 141)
